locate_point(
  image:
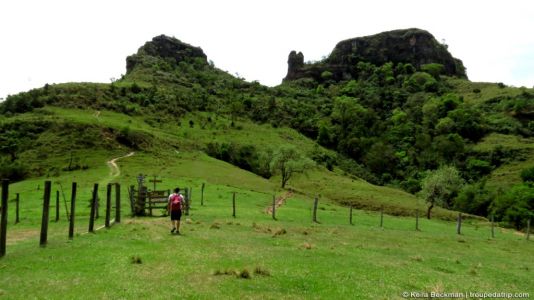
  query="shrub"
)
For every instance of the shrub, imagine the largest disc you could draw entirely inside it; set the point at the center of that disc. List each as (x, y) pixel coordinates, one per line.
(473, 199)
(326, 75)
(421, 81)
(528, 175)
(133, 139)
(13, 170)
(477, 168)
(516, 206)
(433, 69)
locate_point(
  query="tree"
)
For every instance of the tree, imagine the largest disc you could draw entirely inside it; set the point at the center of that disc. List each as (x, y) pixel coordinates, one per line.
(349, 114)
(515, 206)
(440, 187)
(287, 161)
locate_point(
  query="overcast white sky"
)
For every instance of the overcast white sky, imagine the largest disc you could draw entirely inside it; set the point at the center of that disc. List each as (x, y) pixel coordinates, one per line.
(62, 41)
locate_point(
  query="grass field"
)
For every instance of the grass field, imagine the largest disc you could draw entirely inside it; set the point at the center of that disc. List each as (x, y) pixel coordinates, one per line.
(293, 257)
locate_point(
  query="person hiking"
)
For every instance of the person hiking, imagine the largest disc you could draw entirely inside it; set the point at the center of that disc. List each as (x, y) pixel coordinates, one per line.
(176, 201)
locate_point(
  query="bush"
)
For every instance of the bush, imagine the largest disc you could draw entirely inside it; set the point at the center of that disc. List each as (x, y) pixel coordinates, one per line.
(326, 75)
(14, 171)
(477, 168)
(243, 156)
(133, 139)
(433, 69)
(528, 175)
(516, 206)
(473, 199)
(421, 81)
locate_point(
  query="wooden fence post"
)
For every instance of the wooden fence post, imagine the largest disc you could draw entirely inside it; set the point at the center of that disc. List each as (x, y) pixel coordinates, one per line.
(274, 207)
(417, 219)
(315, 204)
(350, 215)
(57, 206)
(187, 204)
(17, 209)
(108, 205)
(528, 229)
(3, 217)
(492, 226)
(131, 192)
(117, 203)
(72, 210)
(46, 208)
(202, 195)
(233, 205)
(382, 216)
(93, 208)
(459, 224)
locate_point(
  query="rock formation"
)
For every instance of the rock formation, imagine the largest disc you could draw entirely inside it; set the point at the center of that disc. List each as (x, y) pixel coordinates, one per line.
(415, 46)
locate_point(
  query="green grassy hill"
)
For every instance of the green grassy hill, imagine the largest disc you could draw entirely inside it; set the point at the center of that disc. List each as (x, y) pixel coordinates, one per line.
(288, 258)
(177, 149)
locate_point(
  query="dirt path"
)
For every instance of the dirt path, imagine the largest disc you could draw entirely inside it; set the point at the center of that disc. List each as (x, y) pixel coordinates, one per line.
(279, 202)
(115, 171)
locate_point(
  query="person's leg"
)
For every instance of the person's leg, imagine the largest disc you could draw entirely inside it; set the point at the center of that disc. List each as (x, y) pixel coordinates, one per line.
(173, 221)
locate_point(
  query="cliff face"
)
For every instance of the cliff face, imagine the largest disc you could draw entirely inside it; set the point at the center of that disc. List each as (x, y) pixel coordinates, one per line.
(414, 46)
(171, 49)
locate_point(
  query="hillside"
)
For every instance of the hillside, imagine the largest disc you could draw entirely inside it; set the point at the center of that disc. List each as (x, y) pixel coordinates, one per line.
(392, 122)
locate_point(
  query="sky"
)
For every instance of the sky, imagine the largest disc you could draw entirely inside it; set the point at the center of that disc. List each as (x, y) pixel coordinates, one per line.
(58, 41)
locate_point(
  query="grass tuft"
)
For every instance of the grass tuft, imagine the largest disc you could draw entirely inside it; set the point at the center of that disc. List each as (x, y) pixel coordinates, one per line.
(245, 274)
(261, 271)
(136, 260)
(215, 226)
(225, 272)
(417, 258)
(307, 246)
(281, 231)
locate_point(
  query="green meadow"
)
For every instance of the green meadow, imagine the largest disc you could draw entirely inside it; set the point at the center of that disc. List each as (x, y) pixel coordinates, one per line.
(250, 256)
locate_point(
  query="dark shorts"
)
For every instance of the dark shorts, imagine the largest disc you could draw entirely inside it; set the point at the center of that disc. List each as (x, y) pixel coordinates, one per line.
(176, 215)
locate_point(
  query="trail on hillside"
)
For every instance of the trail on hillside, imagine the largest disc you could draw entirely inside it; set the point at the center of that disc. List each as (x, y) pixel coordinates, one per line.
(115, 171)
(278, 202)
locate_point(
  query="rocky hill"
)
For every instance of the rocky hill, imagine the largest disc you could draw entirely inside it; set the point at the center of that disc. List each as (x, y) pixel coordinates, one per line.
(414, 46)
(169, 48)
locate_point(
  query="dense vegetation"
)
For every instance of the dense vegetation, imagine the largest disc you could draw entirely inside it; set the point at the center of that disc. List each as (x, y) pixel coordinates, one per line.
(393, 124)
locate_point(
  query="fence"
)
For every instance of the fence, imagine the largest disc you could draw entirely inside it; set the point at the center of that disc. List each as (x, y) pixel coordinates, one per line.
(71, 215)
(138, 200)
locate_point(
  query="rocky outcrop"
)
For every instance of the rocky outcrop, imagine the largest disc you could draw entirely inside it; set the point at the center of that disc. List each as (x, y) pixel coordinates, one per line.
(169, 48)
(415, 46)
(295, 62)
